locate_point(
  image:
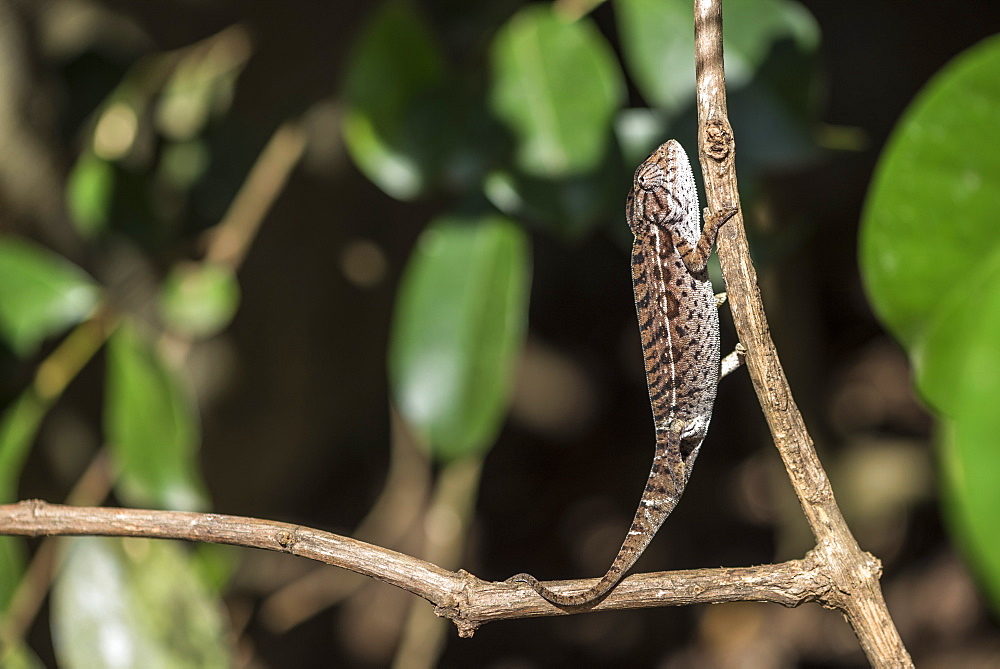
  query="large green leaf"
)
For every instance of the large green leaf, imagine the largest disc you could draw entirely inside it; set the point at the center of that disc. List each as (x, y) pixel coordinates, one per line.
(459, 324)
(932, 206)
(959, 371)
(152, 426)
(930, 254)
(394, 66)
(41, 294)
(134, 603)
(658, 43)
(557, 84)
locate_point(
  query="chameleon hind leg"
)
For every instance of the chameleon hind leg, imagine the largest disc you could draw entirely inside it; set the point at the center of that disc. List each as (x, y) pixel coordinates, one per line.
(738, 356)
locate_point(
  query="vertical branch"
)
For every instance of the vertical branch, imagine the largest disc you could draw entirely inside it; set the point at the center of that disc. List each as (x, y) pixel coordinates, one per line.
(855, 572)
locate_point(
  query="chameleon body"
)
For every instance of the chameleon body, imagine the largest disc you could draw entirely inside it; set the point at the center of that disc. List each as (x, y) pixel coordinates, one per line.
(679, 327)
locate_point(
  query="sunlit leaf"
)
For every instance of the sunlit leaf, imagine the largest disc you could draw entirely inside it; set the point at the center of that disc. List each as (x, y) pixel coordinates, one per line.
(658, 42)
(394, 67)
(152, 426)
(459, 323)
(134, 603)
(41, 294)
(930, 255)
(557, 84)
(199, 299)
(933, 202)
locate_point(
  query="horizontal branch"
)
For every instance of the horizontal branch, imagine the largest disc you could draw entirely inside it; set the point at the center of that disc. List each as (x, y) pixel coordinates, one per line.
(459, 596)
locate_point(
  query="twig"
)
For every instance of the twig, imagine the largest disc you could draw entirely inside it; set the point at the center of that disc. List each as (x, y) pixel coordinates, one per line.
(399, 506)
(459, 596)
(855, 572)
(230, 240)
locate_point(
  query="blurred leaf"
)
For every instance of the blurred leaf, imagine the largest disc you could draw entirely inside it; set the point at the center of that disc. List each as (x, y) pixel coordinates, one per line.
(152, 426)
(637, 131)
(134, 603)
(557, 84)
(215, 564)
(658, 43)
(569, 206)
(90, 194)
(958, 365)
(932, 206)
(182, 164)
(458, 328)
(202, 84)
(199, 299)
(395, 63)
(41, 294)
(13, 559)
(18, 427)
(19, 656)
(930, 255)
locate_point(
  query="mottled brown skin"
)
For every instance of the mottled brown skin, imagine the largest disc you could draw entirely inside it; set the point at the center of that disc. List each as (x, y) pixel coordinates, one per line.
(679, 327)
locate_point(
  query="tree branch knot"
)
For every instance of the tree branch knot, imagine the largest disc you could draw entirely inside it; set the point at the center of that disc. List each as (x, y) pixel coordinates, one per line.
(718, 139)
(454, 605)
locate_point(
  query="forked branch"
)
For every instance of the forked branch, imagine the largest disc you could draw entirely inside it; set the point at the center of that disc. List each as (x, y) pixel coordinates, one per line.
(855, 572)
(837, 573)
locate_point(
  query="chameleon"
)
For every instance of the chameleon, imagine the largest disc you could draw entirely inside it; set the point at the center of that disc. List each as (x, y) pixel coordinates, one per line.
(679, 329)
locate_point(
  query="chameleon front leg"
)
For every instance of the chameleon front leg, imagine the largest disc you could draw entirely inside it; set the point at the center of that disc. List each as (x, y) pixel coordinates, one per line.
(695, 257)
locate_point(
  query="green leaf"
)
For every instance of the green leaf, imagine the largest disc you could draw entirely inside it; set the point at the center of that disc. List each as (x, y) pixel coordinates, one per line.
(18, 428)
(557, 85)
(393, 67)
(90, 194)
(932, 207)
(458, 329)
(658, 43)
(17, 655)
(13, 559)
(215, 565)
(930, 257)
(958, 370)
(134, 603)
(41, 294)
(199, 299)
(152, 426)
(568, 207)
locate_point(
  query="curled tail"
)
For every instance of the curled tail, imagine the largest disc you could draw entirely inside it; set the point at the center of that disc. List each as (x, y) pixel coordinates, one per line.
(666, 482)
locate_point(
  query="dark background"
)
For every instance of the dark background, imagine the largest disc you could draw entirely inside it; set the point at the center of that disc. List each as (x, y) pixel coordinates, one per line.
(298, 427)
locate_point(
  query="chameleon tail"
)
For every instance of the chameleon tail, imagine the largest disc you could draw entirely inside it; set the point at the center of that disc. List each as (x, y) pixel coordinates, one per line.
(666, 482)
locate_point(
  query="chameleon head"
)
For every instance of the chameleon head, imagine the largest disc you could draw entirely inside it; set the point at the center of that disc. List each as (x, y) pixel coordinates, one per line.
(663, 189)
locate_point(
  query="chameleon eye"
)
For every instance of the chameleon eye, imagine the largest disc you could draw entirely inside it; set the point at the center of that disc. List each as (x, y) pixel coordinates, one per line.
(649, 177)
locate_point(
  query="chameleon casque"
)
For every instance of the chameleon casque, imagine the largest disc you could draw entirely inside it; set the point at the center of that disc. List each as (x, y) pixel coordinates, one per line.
(679, 327)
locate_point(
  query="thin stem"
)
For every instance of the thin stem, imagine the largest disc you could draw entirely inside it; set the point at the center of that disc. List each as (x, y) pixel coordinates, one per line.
(858, 594)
